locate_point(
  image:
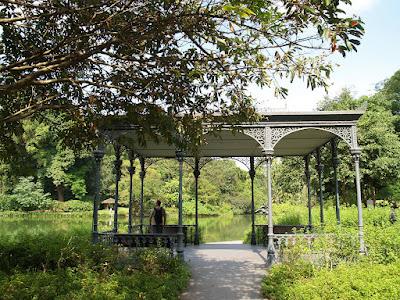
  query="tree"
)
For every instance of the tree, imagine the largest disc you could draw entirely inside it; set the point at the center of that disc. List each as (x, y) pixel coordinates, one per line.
(288, 179)
(391, 91)
(53, 160)
(380, 165)
(163, 64)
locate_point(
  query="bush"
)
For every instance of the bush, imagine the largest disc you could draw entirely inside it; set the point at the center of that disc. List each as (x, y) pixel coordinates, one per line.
(27, 196)
(281, 278)
(334, 269)
(72, 206)
(59, 264)
(355, 281)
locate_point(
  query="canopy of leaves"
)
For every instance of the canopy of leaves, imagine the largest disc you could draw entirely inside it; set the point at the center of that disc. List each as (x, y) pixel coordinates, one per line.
(162, 64)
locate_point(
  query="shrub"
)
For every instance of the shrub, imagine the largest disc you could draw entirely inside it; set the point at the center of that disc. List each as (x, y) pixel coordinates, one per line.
(282, 277)
(27, 196)
(72, 206)
(61, 264)
(338, 271)
(354, 281)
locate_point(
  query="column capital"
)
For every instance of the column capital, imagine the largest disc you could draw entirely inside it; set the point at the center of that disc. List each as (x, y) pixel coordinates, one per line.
(196, 173)
(117, 168)
(131, 170)
(180, 154)
(268, 153)
(99, 154)
(131, 155)
(355, 153)
(252, 173)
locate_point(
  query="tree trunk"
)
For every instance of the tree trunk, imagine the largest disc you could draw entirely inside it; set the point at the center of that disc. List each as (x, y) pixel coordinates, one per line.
(374, 196)
(60, 192)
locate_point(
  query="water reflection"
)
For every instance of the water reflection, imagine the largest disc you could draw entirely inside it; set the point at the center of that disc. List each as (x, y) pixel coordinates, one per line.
(213, 229)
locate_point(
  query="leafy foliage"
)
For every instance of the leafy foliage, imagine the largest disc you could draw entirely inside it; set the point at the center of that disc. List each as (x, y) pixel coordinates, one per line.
(378, 139)
(72, 206)
(27, 196)
(60, 164)
(54, 264)
(333, 269)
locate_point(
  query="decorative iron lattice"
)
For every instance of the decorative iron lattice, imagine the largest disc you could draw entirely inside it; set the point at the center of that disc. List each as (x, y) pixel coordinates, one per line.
(277, 133)
(258, 161)
(149, 161)
(245, 161)
(344, 132)
(191, 161)
(257, 133)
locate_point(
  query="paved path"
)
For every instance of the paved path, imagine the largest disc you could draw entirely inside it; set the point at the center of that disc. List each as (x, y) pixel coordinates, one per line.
(226, 270)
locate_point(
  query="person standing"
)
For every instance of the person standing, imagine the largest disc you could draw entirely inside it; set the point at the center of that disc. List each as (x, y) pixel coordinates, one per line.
(158, 218)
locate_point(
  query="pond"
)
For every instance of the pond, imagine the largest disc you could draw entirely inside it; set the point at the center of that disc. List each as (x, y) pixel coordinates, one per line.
(213, 229)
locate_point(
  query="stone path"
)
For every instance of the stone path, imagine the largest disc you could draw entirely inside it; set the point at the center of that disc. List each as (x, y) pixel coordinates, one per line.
(225, 270)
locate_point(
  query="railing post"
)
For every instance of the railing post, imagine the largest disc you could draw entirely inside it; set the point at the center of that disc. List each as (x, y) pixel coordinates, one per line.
(98, 156)
(252, 174)
(131, 171)
(196, 174)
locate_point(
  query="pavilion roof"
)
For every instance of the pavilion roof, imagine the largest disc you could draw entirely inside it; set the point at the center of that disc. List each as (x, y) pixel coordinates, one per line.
(310, 135)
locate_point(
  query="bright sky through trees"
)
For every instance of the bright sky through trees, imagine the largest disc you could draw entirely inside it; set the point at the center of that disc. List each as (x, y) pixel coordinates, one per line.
(377, 58)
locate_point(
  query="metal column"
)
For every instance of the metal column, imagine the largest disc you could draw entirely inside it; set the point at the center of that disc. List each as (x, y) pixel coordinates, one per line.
(308, 180)
(252, 173)
(320, 168)
(117, 168)
(179, 250)
(98, 156)
(335, 163)
(356, 158)
(142, 175)
(271, 247)
(196, 174)
(131, 171)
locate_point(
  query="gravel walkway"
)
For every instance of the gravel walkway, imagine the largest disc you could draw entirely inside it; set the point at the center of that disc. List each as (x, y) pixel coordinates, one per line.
(225, 270)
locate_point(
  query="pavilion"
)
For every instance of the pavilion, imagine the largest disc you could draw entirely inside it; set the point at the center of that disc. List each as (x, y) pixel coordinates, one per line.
(277, 134)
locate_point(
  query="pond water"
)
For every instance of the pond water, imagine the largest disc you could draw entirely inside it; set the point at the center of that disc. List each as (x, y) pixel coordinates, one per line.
(213, 229)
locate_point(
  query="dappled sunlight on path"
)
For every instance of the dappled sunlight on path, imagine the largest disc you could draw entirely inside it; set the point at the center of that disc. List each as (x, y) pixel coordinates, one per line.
(225, 270)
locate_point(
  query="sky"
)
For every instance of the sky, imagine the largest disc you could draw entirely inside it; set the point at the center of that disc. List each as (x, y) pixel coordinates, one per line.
(377, 59)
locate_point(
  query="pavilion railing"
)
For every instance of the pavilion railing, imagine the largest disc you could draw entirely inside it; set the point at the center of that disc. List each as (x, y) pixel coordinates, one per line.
(283, 234)
(188, 231)
(133, 240)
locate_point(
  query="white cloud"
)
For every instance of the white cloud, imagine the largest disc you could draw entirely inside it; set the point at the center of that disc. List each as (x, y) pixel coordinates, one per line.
(359, 6)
